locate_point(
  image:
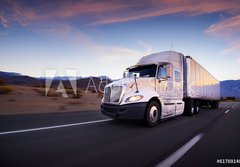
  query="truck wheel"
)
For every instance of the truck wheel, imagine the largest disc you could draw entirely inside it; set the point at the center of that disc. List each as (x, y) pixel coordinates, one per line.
(152, 114)
(196, 107)
(214, 104)
(189, 107)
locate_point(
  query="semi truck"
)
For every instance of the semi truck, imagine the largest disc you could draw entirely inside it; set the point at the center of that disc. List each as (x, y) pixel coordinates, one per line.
(159, 86)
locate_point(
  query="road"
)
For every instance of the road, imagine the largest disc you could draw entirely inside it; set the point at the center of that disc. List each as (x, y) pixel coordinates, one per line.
(76, 139)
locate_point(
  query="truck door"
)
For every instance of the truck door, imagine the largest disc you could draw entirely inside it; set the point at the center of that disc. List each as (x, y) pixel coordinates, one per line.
(164, 88)
(178, 91)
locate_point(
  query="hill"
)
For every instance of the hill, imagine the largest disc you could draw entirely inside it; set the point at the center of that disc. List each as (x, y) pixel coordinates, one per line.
(82, 83)
(230, 88)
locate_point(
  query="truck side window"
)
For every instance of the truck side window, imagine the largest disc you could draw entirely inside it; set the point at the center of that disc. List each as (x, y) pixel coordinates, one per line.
(177, 76)
(162, 72)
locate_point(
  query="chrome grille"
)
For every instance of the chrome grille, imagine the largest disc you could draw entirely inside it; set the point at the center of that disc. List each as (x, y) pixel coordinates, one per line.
(112, 94)
(107, 94)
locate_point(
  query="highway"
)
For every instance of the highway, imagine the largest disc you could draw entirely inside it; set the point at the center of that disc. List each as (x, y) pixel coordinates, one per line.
(91, 139)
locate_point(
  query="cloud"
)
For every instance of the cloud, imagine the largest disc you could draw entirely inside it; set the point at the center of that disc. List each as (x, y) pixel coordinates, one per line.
(167, 7)
(108, 12)
(4, 21)
(27, 13)
(226, 27)
(232, 47)
(238, 61)
(117, 51)
(148, 47)
(59, 18)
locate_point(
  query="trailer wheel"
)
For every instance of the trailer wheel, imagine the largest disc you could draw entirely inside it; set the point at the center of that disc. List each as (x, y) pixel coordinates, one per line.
(196, 107)
(152, 114)
(189, 107)
(214, 104)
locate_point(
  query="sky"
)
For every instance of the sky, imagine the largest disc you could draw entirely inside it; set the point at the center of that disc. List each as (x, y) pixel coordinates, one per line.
(102, 37)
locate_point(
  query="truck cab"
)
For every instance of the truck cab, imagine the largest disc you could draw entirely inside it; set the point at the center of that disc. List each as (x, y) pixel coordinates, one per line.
(151, 90)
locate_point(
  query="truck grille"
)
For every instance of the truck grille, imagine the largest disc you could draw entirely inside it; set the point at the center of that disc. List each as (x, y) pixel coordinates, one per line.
(112, 94)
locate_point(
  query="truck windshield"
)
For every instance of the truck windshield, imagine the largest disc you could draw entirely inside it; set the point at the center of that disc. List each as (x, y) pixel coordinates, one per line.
(143, 71)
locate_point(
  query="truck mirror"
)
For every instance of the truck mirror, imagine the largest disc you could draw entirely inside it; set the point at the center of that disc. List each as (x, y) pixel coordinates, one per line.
(168, 69)
(125, 74)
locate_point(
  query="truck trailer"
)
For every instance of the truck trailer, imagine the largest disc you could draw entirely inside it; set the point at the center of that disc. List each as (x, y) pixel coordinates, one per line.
(160, 86)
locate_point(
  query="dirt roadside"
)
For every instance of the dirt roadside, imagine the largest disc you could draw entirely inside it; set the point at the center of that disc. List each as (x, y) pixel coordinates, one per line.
(25, 100)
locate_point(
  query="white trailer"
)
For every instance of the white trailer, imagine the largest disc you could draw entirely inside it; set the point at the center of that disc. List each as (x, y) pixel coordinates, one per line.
(159, 86)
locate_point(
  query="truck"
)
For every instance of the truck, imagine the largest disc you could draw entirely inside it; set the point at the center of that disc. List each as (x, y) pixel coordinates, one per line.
(160, 86)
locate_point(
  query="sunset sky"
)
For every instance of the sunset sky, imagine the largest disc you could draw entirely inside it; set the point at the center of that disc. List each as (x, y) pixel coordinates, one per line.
(102, 37)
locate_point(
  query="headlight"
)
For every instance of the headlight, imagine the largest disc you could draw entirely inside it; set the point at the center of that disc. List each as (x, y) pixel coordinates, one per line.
(134, 98)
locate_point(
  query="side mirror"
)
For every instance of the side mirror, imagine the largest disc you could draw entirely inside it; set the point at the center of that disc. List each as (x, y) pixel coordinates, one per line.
(125, 74)
(168, 71)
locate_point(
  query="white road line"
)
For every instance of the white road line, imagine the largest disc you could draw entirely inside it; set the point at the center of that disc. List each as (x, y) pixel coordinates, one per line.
(226, 111)
(53, 127)
(180, 152)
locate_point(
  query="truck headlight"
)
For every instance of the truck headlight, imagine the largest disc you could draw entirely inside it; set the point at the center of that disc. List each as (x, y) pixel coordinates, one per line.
(134, 98)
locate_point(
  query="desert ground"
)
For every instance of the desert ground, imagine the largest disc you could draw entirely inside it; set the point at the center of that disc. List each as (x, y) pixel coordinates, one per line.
(26, 99)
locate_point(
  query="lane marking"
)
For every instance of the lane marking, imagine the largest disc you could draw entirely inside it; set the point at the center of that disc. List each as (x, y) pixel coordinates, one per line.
(53, 127)
(226, 111)
(169, 161)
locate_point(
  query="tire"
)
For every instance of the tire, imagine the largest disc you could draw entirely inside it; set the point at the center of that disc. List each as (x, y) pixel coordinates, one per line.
(214, 104)
(197, 107)
(152, 114)
(189, 107)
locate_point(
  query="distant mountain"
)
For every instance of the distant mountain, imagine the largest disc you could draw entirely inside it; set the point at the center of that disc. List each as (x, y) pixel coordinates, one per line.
(19, 79)
(230, 88)
(9, 74)
(104, 78)
(82, 83)
(63, 78)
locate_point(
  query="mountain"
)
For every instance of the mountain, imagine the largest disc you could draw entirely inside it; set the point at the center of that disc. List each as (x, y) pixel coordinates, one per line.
(63, 78)
(82, 83)
(9, 74)
(18, 79)
(104, 78)
(230, 88)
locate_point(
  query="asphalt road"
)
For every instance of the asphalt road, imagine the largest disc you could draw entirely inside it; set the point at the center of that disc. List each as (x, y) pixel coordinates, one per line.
(74, 139)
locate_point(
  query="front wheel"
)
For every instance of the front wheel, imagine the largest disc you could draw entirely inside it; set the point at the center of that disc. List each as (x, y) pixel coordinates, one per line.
(152, 114)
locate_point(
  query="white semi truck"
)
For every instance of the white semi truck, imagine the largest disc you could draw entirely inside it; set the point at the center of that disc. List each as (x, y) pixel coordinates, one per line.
(160, 86)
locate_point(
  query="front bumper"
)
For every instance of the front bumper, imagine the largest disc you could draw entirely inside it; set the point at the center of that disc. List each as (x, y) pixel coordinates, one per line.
(133, 111)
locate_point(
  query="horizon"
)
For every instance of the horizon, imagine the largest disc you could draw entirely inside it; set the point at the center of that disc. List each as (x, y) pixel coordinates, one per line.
(82, 77)
(103, 38)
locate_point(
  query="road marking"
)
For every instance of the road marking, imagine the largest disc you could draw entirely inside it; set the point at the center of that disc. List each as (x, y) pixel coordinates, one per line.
(226, 111)
(180, 152)
(53, 127)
